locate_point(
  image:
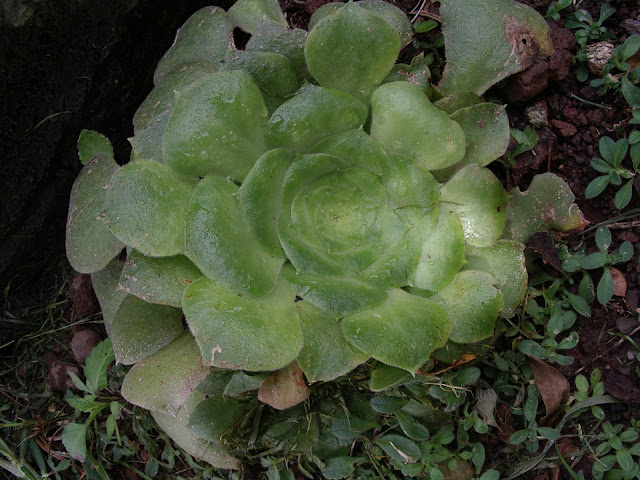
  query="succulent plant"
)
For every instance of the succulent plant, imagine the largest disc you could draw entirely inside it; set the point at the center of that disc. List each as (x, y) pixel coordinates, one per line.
(303, 206)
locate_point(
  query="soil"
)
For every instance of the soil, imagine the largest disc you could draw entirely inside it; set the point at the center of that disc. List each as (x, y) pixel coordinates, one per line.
(71, 64)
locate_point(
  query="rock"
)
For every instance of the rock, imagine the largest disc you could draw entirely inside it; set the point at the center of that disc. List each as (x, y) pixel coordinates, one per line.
(626, 324)
(631, 25)
(565, 129)
(528, 83)
(84, 299)
(82, 344)
(598, 55)
(537, 115)
(59, 379)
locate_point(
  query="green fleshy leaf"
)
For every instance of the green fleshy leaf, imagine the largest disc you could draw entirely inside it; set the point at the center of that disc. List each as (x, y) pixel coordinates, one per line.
(442, 253)
(163, 381)
(417, 73)
(140, 329)
(176, 426)
(146, 144)
(473, 303)
(548, 204)
(397, 264)
(272, 37)
(220, 244)
(405, 122)
(249, 14)
(505, 261)
(92, 143)
(401, 332)
(336, 295)
(210, 133)
(355, 148)
(393, 15)
(488, 40)
(236, 332)
(89, 243)
(158, 280)
(385, 376)
(205, 37)
(326, 354)
(313, 114)
(272, 72)
(399, 448)
(242, 383)
(284, 388)
(259, 198)
(486, 132)
(479, 200)
(145, 207)
(162, 98)
(338, 50)
(106, 284)
(214, 416)
(456, 101)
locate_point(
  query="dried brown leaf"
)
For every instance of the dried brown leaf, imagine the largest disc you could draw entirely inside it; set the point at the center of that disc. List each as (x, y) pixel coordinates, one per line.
(554, 388)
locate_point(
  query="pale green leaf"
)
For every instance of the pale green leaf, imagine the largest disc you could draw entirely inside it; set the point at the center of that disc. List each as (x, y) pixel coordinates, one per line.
(140, 329)
(106, 284)
(214, 416)
(249, 14)
(237, 332)
(160, 280)
(338, 50)
(479, 200)
(405, 122)
(146, 206)
(89, 243)
(210, 133)
(176, 426)
(401, 332)
(163, 381)
(488, 40)
(473, 303)
(326, 354)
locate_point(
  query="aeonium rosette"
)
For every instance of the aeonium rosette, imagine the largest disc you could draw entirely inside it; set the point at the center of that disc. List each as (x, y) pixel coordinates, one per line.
(304, 167)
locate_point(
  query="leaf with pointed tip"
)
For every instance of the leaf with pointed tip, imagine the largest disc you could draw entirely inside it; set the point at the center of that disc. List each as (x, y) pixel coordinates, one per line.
(479, 200)
(74, 439)
(211, 133)
(249, 14)
(163, 381)
(237, 332)
(338, 50)
(548, 204)
(146, 206)
(505, 261)
(473, 304)
(158, 280)
(140, 329)
(89, 243)
(326, 354)
(176, 426)
(488, 40)
(205, 37)
(284, 388)
(91, 143)
(106, 283)
(405, 122)
(401, 332)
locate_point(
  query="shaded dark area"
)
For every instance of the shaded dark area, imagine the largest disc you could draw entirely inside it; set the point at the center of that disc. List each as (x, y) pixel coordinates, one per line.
(70, 65)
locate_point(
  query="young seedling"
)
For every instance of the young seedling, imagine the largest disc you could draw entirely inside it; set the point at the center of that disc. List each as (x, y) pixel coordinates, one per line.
(613, 154)
(601, 259)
